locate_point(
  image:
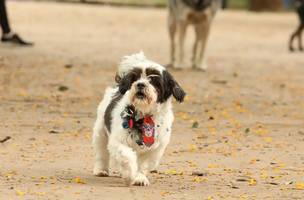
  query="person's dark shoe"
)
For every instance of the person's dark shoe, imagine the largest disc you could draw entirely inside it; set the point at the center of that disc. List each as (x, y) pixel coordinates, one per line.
(16, 39)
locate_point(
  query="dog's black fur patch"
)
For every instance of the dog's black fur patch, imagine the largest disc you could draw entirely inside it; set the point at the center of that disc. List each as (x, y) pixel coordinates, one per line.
(171, 87)
(157, 81)
(198, 5)
(165, 85)
(108, 113)
(125, 82)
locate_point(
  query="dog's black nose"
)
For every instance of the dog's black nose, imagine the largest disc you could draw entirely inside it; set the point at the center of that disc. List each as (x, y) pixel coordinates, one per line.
(141, 86)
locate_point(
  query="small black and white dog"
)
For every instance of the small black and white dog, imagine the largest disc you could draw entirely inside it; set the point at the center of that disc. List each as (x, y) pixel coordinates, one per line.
(134, 120)
(198, 13)
(299, 4)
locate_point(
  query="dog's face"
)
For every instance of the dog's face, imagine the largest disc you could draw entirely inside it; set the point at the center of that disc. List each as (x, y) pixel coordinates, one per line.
(149, 86)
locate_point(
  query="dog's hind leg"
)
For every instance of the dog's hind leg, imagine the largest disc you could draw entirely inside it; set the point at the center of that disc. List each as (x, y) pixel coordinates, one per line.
(100, 142)
(291, 42)
(182, 28)
(300, 37)
(195, 45)
(172, 33)
(202, 33)
(293, 36)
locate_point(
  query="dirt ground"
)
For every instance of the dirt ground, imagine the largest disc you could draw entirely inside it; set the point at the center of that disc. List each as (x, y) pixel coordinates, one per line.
(241, 125)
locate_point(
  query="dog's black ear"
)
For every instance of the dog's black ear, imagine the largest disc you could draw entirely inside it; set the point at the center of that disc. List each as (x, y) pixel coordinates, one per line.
(172, 88)
(124, 83)
(117, 78)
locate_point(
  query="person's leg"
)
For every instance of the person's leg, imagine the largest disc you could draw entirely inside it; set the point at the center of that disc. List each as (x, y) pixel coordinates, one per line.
(300, 38)
(7, 34)
(3, 18)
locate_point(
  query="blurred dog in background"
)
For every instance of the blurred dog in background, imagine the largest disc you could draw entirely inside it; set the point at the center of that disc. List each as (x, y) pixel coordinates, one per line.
(198, 13)
(299, 4)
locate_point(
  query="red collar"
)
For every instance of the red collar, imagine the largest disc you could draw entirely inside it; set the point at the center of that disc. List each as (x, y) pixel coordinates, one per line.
(144, 126)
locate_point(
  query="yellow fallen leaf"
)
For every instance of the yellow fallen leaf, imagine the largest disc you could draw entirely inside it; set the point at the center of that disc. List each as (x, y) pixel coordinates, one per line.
(252, 182)
(267, 139)
(243, 197)
(264, 175)
(225, 114)
(187, 98)
(212, 166)
(40, 193)
(192, 147)
(10, 174)
(199, 180)
(281, 164)
(23, 93)
(210, 198)
(192, 165)
(164, 193)
(20, 193)
(239, 107)
(253, 161)
(173, 172)
(183, 115)
(66, 114)
(78, 180)
(88, 136)
(300, 186)
(261, 131)
(212, 130)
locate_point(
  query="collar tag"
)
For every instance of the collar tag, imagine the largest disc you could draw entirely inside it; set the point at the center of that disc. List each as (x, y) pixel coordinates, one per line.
(148, 131)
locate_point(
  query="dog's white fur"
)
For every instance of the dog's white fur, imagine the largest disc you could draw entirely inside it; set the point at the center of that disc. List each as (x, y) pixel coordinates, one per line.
(117, 149)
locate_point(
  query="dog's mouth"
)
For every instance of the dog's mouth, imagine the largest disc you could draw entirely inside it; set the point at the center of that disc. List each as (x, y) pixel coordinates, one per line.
(140, 95)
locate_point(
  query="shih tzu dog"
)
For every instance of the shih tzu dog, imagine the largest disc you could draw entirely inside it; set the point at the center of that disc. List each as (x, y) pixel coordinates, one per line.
(134, 120)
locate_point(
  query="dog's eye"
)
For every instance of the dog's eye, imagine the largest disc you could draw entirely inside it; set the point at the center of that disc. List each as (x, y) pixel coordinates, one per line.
(153, 77)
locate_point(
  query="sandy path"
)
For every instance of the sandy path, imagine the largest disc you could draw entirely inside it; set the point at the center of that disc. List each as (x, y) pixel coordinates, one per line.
(249, 106)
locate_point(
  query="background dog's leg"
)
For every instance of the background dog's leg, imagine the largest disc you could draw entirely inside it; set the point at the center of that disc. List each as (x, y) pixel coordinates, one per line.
(293, 36)
(182, 27)
(196, 43)
(291, 42)
(172, 31)
(100, 141)
(126, 160)
(300, 38)
(202, 32)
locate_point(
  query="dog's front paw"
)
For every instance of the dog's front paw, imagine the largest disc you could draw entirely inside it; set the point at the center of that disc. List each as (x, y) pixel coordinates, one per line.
(140, 180)
(98, 171)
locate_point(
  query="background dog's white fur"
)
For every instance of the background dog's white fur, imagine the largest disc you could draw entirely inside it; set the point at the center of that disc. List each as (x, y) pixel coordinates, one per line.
(116, 148)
